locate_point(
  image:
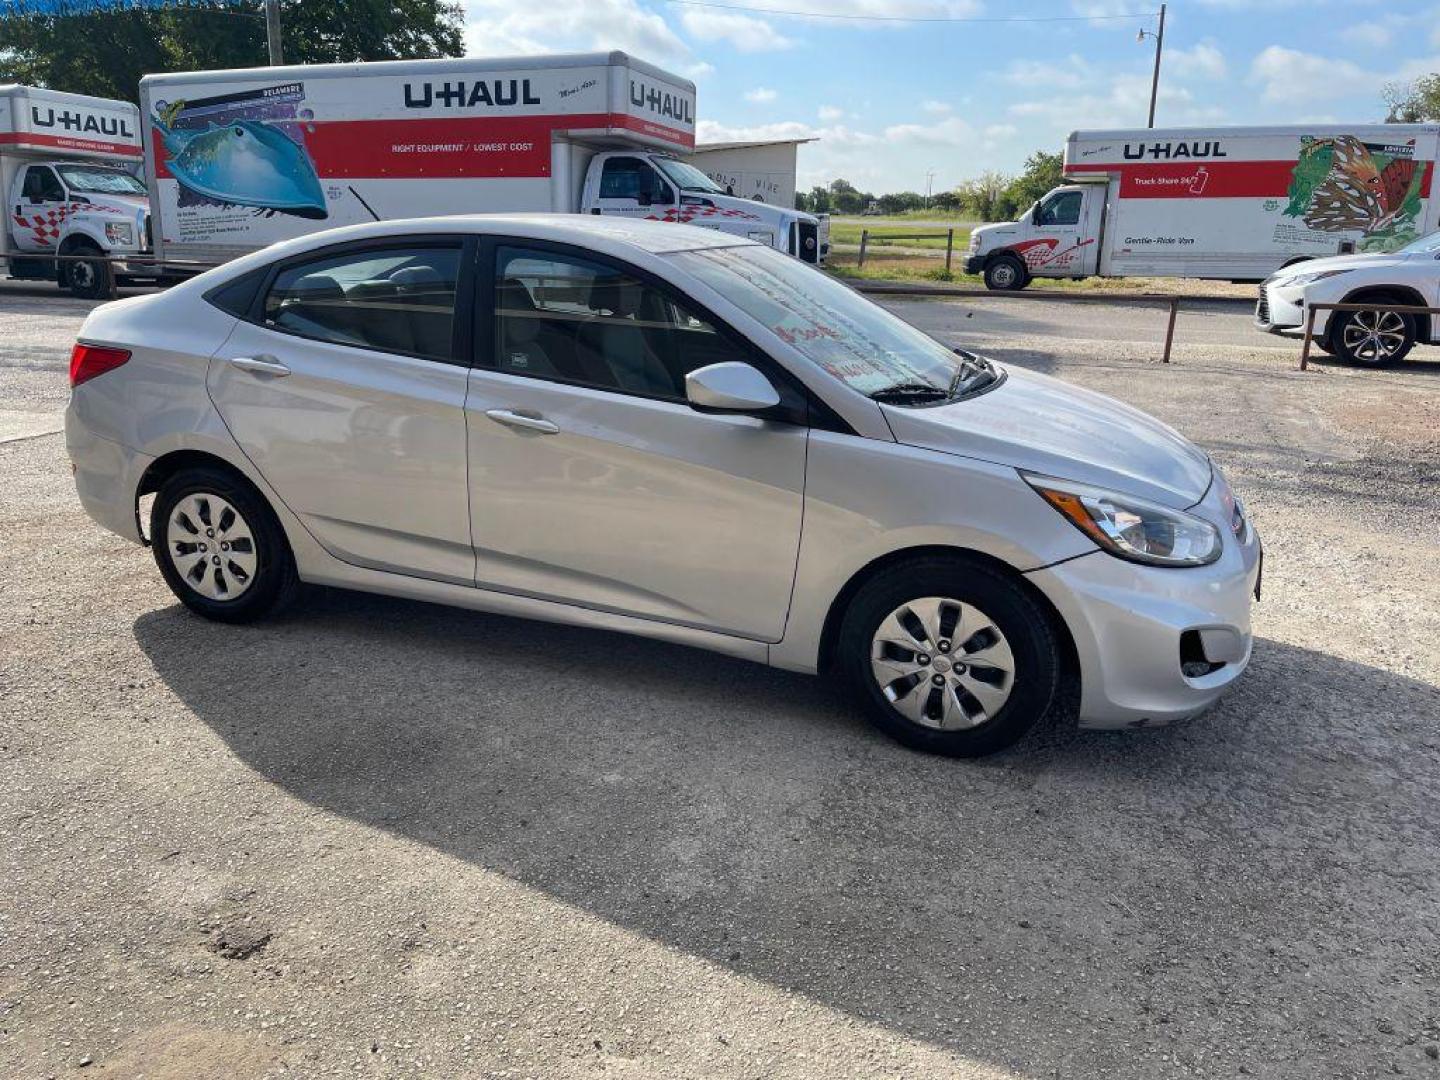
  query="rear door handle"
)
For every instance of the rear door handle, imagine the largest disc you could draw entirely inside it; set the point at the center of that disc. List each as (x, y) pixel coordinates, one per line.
(520, 420)
(262, 365)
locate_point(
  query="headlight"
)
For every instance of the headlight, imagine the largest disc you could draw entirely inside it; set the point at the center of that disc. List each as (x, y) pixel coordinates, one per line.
(1306, 279)
(119, 232)
(1131, 528)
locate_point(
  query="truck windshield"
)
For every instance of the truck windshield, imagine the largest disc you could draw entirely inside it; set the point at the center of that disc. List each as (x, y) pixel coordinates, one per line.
(687, 177)
(94, 180)
(857, 342)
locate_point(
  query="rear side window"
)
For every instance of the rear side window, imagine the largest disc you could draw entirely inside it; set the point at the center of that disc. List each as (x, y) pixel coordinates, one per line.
(399, 299)
(236, 297)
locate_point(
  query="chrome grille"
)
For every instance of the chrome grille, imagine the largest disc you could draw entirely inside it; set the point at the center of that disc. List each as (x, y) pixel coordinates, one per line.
(1262, 307)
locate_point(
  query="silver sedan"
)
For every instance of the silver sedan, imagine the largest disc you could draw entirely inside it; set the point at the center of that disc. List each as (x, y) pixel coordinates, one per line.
(666, 431)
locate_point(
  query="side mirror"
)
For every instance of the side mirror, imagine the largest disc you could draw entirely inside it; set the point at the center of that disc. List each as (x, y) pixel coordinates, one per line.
(730, 387)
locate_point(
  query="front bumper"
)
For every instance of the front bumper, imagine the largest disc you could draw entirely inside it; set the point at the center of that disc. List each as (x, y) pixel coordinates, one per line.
(1130, 624)
(1281, 310)
(974, 264)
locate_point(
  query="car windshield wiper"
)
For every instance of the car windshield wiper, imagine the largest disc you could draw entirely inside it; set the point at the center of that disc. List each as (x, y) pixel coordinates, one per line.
(901, 393)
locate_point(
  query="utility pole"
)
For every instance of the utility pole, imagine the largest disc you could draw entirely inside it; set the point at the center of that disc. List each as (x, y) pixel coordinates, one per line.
(272, 32)
(929, 185)
(1159, 37)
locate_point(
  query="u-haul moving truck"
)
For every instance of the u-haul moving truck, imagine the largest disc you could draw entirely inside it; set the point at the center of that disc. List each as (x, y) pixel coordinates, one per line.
(1231, 203)
(67, 167)
(240, 159)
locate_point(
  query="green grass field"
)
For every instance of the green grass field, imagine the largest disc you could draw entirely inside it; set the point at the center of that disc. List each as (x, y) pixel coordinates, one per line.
(848, 231)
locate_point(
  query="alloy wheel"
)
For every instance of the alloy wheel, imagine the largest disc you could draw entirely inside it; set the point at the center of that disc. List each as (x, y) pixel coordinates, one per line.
(1373, 336)
(942, 664)
(211, 546)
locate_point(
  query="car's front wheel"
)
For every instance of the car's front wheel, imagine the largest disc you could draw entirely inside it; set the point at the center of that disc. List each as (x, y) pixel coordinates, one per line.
(1372, 338)
(88, 280)
(950, 656)
(1005, 273)
(219, 547)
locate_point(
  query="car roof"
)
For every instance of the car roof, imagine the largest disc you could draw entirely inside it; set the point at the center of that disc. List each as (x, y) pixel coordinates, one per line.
(608, 235)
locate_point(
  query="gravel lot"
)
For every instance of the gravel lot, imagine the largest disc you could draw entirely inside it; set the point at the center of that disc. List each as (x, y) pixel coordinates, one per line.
(377, 838)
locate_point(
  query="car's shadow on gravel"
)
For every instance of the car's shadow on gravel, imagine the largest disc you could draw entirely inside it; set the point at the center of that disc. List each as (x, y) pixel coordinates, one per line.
(1054, 909)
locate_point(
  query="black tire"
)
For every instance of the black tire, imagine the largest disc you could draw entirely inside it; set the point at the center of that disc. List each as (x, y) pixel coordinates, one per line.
(87, 280)
(1351, 338)
(1005, 273)
(1006, 606)
(274, 581)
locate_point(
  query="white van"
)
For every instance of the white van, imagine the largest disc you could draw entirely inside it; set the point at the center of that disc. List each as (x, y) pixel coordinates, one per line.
(245, 158)
(1230, 203)
(67, 164)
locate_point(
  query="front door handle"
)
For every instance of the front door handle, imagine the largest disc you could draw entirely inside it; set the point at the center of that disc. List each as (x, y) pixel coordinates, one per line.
(521, 420)
(262, 365)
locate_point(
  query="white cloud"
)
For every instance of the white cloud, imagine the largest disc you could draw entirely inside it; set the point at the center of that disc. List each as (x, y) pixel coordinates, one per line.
(761, 95)
(935, 108)
(1293, 77)
(1204, 61)
(744, 32)
(504, 28)
(829, 113)
(1373, 35)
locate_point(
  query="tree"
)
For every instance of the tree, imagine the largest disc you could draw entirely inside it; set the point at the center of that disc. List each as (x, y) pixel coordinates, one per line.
(1414, 102)
(105, 54)
(846, 198)
(1042, 172)
(981, 196)
(901, 201)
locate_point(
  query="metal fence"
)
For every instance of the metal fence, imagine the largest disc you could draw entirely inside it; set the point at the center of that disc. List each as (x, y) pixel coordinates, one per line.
(1311, 309)
(869, 240)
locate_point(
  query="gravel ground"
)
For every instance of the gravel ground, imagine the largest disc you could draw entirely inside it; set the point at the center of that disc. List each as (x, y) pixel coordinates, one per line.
(377, 838)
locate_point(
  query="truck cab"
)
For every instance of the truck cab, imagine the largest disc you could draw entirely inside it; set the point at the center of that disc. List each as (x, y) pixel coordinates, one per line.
(76, 208)
(657, 187)
(1059, 236)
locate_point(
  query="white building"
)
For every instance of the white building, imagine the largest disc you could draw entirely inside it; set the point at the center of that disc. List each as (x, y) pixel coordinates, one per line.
(753, 170)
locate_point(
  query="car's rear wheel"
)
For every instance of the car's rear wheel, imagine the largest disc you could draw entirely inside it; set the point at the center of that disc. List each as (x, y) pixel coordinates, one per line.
(950, 656)
(1372, 338)
(1005, 273)
(219, 546)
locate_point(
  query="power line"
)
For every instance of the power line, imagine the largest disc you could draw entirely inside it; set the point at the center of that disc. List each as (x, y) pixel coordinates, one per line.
(912, 18)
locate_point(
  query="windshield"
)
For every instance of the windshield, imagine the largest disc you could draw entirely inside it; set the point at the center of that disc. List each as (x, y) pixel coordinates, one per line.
(97, 181)
(687, 177)
(858, 342)
(1426, 245)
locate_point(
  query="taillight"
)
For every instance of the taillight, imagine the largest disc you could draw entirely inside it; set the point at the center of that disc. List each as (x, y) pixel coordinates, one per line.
(87, 361)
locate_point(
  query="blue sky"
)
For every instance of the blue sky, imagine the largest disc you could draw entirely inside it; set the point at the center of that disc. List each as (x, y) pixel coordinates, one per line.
(891, 101)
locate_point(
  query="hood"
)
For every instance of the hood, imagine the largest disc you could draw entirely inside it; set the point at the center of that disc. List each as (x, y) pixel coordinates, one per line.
(1046, 426)
(732, 208)
(1344, 262)
(127, 203)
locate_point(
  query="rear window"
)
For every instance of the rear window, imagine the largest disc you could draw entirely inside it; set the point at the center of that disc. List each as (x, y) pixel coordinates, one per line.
(238, 297)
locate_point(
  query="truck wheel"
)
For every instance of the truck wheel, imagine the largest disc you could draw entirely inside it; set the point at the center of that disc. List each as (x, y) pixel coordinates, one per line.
(1372, 338)
(87, 280)
(1005, 272)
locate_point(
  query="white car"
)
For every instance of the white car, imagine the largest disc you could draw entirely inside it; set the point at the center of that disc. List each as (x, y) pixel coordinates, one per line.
(672, 432)
(1372, 338)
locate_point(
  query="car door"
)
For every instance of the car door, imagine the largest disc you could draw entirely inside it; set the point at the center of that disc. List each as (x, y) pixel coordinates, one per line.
(593, 482)
(40, 209)
(1059, 252)
(342, 387)
(632, 187)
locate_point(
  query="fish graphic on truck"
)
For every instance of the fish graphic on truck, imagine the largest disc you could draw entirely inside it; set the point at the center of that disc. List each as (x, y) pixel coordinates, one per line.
(244, 163)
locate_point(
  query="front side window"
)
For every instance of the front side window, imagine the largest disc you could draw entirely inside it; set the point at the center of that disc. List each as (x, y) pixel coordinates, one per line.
(632, 178)
(100, 181)
(569, 319)
(42, 184)
(399, 299)
(1062, 209)
(835, 328)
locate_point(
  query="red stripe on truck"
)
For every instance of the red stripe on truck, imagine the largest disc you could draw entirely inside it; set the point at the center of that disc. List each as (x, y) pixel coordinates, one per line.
(448, 147)
(69, 142)
(1209, 179)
